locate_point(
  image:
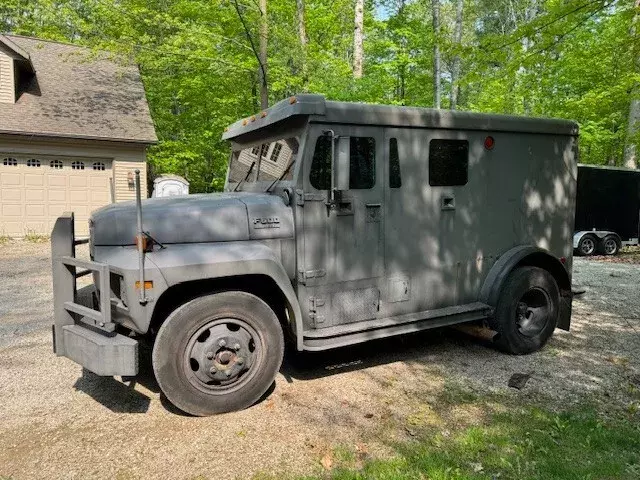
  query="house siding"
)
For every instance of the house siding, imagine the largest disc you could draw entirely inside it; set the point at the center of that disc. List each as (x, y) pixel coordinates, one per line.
(123, 188)
(7, 79)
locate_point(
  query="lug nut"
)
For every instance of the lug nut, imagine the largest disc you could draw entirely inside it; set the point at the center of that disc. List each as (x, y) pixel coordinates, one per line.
(228, 374)
(213, 370)
(210, 355)
(240, 361)
(222, 343)
(236, 347)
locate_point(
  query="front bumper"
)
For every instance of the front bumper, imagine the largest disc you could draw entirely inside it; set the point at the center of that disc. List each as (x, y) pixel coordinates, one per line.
(80, 333)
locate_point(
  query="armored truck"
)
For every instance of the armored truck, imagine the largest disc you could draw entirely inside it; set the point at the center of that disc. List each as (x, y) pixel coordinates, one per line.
(339, 223)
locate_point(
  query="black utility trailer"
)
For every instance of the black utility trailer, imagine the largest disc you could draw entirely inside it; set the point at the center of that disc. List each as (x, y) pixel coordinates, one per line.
(607, 209)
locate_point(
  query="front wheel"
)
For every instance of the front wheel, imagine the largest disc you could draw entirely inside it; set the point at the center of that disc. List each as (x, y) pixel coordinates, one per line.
(218, 353)
(527, 310)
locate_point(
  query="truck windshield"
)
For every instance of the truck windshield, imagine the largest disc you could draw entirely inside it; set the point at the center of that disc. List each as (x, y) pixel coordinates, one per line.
(265, 162)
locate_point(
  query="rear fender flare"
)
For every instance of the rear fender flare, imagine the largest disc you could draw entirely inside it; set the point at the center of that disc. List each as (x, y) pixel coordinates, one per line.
(532, 256)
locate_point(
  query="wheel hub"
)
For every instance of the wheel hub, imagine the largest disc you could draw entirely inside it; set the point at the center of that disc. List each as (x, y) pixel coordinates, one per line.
(532, 312)
(220, 356)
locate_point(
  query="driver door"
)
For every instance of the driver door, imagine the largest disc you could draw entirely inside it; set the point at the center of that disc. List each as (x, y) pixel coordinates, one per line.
(342, 259)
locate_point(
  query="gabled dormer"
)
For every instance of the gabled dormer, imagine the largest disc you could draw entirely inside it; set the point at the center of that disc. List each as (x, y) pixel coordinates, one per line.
(15, 70)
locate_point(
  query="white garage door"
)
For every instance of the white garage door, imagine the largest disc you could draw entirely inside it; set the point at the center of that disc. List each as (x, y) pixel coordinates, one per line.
(34, 191)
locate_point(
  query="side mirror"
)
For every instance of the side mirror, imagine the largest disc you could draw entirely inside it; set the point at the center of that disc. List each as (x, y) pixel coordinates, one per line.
(341, 163)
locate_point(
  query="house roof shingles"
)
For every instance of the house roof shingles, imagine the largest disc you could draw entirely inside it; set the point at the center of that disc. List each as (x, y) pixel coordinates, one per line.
(77, 93)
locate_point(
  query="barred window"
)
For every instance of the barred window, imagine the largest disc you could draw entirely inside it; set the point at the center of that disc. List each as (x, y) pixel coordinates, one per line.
(98, 165)
(57, 164)
(275, 153)
(10, 162)
(33, 162)
(77, 165)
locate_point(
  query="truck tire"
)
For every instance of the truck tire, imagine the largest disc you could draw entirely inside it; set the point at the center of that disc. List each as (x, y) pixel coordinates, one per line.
(218, 353)
(527, 311)
(610, 245)
(587, 245)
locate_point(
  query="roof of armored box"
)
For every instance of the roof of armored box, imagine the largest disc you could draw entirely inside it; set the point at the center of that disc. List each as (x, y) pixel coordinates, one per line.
(320, 109)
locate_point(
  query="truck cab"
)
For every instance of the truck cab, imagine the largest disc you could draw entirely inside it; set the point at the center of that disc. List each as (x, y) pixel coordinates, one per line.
(339, 223)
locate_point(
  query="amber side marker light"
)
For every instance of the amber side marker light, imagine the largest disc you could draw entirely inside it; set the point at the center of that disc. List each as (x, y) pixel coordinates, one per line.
(293, 100)
(148, 285)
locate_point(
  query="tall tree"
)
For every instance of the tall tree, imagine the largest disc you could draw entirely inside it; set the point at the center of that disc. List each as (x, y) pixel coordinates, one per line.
(437, 90)
(455, 68)
(358, 39)
(633, 125)
(262, 71)
(302, 37)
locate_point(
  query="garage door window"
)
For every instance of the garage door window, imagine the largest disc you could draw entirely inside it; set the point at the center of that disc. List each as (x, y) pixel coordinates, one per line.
(57, 164)
(77, 166)
(33, 162)
(98, 166)
(10, 162)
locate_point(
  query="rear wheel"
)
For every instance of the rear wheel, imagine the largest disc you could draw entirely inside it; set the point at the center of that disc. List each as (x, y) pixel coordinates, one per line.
(218, 353)
(527, 310)
(587, 245)
(610, 245)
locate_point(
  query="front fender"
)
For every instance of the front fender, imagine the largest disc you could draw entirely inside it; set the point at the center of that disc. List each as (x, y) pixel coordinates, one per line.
(191, 262)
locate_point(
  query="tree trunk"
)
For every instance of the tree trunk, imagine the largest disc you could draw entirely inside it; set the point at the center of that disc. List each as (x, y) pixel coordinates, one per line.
(455, 69)
(436, 53)
(302, 36)
(358, 39)
(529, 14)
(633, 127)
(262, 73)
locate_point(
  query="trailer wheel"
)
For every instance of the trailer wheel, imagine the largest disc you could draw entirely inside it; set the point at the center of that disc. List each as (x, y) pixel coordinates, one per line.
(218, 353)
(527, 310)
(610, 245)
(587, 245)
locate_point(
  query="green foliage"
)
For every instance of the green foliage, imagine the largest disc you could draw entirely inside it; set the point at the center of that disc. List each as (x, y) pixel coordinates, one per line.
(531, 443)
(573, 59)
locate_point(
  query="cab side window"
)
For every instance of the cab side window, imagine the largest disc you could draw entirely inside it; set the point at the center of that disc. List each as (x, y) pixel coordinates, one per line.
(448, 162)
(395, 180)
(362, 157)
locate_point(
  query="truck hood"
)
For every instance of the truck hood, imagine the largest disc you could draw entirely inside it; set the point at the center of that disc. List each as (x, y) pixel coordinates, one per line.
(216, 217)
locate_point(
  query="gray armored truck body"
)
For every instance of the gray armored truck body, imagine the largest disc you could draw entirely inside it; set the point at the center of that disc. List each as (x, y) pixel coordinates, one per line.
(340, 223)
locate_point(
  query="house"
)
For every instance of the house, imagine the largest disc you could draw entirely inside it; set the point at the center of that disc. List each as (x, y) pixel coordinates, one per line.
(74, 127)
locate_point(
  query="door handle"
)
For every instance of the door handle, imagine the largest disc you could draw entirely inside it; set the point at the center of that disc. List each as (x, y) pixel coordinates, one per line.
(448, 202)
(373, 205)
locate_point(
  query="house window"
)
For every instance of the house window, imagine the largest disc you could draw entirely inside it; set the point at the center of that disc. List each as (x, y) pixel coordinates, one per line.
(33, 162)
(275, 153)
(448, 163)
(77, 165)
(10, 162)
(362, 156)
(57, 164)
(395, 181)
(98, 165)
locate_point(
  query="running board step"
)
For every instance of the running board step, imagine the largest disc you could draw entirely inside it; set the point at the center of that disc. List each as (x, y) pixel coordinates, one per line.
(343, 335)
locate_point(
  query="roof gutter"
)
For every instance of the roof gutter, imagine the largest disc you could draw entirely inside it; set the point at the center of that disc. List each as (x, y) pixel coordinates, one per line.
(78, 137)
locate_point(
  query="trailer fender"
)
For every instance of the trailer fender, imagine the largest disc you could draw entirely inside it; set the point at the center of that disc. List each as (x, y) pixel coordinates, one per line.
(531, 256)
(182, 264)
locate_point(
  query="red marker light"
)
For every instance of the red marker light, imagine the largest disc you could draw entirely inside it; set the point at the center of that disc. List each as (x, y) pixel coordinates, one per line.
(489, 142)
(563, 260)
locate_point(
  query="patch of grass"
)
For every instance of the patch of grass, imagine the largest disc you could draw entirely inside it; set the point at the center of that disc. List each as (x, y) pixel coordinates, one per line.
(36, 237)
(4, 239)
(529, 443)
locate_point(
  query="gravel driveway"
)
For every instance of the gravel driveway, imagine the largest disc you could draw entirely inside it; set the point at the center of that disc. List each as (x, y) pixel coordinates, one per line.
(57, 421)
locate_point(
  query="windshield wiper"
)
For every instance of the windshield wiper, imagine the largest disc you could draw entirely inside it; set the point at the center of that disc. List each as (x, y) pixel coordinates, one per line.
(245, 177)
(284, 174)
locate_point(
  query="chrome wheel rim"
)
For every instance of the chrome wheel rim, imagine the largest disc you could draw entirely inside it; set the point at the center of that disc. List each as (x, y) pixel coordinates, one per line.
(610, 246)
(587, 246)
